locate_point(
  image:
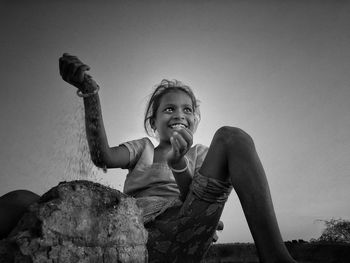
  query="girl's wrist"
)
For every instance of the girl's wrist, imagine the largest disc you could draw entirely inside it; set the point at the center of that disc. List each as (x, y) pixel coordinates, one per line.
(179, 166)
(89, 85)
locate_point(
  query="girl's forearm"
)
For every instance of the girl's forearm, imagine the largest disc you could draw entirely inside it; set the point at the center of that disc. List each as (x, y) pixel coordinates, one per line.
(95, 131)
(183, 179)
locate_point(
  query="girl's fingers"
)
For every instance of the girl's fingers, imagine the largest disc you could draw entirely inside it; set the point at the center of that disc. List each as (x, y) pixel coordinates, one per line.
(73, 72)
(70, 57)
(63, 64)
(60, 63)
(187, 135)
(66, 69)
(181, 142)
(69, 72)
(80, 72)
(72, 69)
(220, 226)
(174, 145)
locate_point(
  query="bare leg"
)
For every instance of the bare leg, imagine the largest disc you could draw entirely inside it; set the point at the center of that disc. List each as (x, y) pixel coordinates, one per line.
(232, 156)
(12, 206)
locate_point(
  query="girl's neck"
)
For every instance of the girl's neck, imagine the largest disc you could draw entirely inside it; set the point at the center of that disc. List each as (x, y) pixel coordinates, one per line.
(163, 146)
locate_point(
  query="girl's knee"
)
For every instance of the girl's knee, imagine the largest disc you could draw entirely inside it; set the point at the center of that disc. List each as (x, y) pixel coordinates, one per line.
(233, 137)
(20, 197)
(12, 207)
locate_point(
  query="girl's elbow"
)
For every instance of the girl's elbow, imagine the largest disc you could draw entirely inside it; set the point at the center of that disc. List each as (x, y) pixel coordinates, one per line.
(99, 161)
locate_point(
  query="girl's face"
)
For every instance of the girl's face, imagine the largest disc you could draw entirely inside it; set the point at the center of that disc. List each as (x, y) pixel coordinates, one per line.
(175, 111)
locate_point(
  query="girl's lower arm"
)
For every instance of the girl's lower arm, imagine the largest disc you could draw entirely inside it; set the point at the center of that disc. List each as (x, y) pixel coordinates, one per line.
(95, 131)
(182, 176)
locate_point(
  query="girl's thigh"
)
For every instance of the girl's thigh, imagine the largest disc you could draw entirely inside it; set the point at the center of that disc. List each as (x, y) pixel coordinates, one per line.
(230, 148)
(184, 233)
(12, 206)
(215, 164)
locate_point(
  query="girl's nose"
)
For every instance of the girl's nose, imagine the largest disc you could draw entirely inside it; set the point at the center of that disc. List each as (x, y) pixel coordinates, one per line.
(179, 115)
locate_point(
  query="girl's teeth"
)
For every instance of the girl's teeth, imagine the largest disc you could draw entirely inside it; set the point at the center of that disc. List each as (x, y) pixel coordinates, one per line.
(177, 126)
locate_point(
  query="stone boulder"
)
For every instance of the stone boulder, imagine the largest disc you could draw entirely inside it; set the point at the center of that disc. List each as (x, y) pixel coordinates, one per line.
(78, 221)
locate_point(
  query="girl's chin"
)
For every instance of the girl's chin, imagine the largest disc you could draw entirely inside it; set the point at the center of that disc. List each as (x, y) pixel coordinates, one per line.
(165, 139)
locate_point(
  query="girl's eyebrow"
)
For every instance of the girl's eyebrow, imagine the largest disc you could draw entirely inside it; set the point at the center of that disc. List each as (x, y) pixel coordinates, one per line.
(188, 105)
(174, 105)
(168, 105)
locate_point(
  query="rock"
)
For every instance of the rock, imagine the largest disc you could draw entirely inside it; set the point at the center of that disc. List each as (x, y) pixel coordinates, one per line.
(79, 221)
(7, 251)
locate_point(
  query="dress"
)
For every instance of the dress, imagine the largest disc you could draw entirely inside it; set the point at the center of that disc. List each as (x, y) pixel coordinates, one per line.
(178, 231)
(153, 184)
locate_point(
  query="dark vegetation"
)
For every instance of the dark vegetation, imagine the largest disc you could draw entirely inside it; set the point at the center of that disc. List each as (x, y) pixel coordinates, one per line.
(333, 246)
(337, 230)
(302, 251)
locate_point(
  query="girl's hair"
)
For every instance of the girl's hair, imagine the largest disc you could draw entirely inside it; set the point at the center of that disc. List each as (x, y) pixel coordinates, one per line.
(163, 88)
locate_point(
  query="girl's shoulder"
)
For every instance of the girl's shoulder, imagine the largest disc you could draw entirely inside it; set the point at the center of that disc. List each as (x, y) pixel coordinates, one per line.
(196, 156)
(200, 147)
(138, 143)
(198, 150)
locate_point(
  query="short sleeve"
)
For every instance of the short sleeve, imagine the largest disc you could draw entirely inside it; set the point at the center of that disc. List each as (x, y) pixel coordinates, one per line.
(135, 147)
(201, 151)
(196, 156)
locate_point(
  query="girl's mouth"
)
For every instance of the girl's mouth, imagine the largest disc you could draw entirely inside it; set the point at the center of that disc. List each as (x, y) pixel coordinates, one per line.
(177, 126)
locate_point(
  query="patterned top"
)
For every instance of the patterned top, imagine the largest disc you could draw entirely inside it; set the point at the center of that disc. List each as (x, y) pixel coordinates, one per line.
(153, 184)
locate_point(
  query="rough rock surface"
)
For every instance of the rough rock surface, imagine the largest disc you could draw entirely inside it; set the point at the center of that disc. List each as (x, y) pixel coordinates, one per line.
(103, 226)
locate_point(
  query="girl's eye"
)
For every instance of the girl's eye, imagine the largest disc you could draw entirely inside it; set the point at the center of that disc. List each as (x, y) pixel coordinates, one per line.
(188, 110)
(168, 109)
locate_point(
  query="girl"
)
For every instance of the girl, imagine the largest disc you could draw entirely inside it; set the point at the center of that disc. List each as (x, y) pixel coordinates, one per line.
(203, 177)
(181, 188)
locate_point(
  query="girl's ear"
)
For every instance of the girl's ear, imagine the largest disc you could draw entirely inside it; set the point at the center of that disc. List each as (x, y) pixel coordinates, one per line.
(196, 122)
(152, 123)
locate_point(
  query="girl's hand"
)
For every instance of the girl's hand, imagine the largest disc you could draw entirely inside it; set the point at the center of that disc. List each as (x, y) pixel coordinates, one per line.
(181, 141)
(219, 227)
(72, 70)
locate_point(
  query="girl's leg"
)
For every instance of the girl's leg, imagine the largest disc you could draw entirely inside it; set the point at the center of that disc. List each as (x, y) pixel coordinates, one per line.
(184, 233)
(232, 156)
(12, 206)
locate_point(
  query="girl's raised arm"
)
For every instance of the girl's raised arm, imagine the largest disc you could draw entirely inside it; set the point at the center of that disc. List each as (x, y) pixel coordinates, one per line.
(73, 71)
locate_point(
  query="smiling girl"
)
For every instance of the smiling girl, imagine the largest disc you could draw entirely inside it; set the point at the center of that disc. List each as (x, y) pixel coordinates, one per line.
(182, 188)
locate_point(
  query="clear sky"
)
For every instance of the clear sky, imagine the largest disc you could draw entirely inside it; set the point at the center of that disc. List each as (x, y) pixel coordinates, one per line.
(277, 69)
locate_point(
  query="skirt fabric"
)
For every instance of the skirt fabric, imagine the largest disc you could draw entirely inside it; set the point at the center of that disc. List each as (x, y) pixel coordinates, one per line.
(183, 232)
